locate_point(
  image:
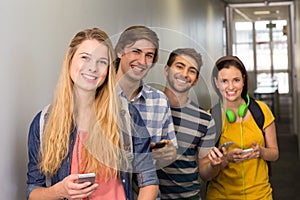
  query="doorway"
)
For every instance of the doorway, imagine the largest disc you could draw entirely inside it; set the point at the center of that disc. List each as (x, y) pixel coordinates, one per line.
(262, 34)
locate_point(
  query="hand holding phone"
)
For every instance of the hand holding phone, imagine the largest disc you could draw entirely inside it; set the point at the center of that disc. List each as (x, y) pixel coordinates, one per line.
(226, 145)
(90, 177)
(246, 151)
(158, 145)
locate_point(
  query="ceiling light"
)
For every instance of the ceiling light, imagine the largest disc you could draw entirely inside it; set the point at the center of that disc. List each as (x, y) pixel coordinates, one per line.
(262, 12)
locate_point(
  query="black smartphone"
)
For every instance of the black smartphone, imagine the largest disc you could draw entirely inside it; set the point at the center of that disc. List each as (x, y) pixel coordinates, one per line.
(90, 177)
(158, 145)
(226, 145)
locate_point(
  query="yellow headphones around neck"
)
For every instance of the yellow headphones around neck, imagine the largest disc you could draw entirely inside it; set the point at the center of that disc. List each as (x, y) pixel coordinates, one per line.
(242, 110)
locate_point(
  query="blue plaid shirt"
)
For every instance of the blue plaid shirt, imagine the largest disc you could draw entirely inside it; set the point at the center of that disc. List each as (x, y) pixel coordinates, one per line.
(154, 108)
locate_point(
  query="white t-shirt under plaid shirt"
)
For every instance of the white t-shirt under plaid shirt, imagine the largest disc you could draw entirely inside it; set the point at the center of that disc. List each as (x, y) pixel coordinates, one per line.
(155, 110)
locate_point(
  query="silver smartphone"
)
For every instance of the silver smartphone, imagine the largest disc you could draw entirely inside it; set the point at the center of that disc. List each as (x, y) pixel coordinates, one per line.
(246, 151)
(226, 145)
(90, 177)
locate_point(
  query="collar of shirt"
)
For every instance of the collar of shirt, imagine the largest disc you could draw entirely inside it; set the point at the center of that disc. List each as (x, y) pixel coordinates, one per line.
(140, 97)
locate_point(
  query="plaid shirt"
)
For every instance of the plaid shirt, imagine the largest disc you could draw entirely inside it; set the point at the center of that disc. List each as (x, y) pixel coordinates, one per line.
(155, 110)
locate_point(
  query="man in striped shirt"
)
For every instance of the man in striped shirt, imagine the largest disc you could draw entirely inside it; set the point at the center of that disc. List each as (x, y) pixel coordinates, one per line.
(194, 127)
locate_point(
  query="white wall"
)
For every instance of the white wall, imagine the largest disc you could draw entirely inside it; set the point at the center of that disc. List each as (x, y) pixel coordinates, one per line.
(34, 35)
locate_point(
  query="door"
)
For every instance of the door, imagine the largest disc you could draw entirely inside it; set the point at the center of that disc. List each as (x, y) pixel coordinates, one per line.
(272, 55)
(262, 36)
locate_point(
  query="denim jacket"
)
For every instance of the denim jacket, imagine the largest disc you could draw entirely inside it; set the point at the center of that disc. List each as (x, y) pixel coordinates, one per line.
(142, 168)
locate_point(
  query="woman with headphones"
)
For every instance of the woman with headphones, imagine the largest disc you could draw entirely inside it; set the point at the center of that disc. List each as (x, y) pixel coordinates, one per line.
(243, 170)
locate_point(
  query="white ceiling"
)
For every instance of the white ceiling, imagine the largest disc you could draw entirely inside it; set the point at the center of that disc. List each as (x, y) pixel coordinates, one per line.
(244, 9)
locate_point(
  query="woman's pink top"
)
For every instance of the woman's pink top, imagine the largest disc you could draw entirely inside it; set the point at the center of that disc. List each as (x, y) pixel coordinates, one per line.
(110, 190)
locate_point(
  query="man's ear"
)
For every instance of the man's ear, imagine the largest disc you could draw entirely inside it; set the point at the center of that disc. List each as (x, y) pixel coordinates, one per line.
(120, 54)
(196, 81)
(166, 70)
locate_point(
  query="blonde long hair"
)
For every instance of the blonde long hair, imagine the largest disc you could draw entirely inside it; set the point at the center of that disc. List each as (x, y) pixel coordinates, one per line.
(102, 146)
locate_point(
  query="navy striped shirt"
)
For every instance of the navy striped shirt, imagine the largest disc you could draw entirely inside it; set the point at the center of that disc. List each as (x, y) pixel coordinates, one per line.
(195, 132)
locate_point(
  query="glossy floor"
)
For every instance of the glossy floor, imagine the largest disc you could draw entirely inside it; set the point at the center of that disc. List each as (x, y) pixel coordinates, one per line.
(286, 170)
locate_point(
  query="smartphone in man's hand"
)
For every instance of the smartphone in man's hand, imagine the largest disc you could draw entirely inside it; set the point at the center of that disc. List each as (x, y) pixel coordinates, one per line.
(158, 145)
(226, 145)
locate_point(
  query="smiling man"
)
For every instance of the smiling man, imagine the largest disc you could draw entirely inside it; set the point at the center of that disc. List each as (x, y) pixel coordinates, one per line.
(137, 52)
(194, 129)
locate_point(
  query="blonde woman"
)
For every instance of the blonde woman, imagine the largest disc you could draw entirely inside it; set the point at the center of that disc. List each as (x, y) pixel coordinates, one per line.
(81, 133)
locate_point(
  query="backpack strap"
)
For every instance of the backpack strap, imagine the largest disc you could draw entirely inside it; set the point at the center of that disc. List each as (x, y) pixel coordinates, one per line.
(44, 115)
(217, 116)
(257, 114)
(43, 120)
